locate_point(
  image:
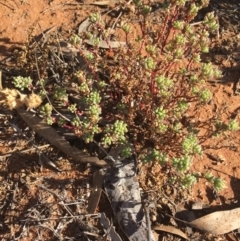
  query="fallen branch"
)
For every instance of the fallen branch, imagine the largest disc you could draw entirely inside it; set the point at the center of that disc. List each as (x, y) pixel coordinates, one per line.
(49, 134)
(24, 151)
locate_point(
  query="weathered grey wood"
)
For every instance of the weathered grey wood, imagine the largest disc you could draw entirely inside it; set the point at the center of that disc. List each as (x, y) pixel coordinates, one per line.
(122, 187)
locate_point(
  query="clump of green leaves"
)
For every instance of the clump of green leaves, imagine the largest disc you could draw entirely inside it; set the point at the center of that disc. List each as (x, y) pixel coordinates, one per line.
(223, 127)
(146, 92)
(115, 133)
(46, 111)
(188, 180)
(126, 152)
(154, 155)
(190, 145)
(233, 125)
(22, 82)
(218, 183)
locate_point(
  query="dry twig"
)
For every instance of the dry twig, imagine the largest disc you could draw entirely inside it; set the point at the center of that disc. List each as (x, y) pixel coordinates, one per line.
(24, 151)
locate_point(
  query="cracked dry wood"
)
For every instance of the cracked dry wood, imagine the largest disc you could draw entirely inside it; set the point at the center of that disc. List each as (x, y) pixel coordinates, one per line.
(49, 134)
(123, 191)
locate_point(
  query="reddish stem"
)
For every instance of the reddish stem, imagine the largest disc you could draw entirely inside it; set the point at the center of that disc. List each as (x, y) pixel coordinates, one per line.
(163, 30)
(68, 127)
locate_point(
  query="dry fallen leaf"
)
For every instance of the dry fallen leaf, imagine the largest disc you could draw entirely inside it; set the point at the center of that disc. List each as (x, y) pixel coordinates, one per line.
(218, 222)
(170, 229)
(101, 3)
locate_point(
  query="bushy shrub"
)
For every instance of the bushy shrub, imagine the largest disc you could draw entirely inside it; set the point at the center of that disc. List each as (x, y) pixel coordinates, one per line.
(144, 90)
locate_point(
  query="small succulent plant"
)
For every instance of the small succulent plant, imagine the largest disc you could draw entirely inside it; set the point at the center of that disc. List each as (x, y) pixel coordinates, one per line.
(147, 91)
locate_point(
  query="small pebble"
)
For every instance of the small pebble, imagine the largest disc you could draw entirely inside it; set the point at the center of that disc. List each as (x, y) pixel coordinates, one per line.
(153, 218)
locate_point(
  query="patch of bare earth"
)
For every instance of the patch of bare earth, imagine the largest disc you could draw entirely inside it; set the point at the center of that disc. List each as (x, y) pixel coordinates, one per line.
(44, 194)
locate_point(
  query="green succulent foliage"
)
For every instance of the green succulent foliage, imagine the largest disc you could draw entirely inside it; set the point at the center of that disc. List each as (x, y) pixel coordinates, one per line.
(76, 122)
(22, 82)
(93, 97)
(182, 105)
(115, 133)
(50, 120)
(138, 3)
(176, 127)
(120, 129)
(190, 145)
(151, 49)
(61, 122)
(95, 17)
(72, 108)
(46, 110)
(233, 125)
(149, 63)
(83, 87)
(181, 2)
(179, 24)
(75, 40)
(219, 184)
(146, 10)
(89, 56)
(156, 156)
(188, 181)
(193, 10)
(211, 22)
(205, 95)
(148, 90)
(221, 127)
(182, 164)
(207, 71)
(89, 132)
(126, 152)
(160, 113)
(60, 93)
(209, 176)
(163, 83)
(95, 111)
